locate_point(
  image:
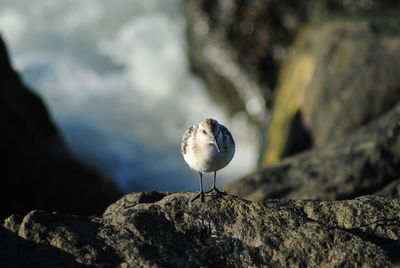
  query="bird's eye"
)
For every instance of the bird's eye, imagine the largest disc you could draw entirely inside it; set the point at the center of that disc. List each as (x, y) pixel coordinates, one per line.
(204, 132)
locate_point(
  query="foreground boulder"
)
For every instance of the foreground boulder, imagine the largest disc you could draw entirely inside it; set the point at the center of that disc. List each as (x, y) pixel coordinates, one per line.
(37, 169)
(364, 162)
(161, 229)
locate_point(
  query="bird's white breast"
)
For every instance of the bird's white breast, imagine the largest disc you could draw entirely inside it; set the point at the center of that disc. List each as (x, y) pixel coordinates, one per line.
(206, 158)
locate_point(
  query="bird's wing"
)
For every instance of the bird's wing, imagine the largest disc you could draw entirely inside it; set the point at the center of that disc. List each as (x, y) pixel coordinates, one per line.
(185, 139)
(228, 133)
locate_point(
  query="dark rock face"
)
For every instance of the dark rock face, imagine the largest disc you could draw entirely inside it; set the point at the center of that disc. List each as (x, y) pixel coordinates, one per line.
(18, 252)
(364, 162)
(37, 169)
(166, 230)
(391, 190)
(237, 47)
(341, 73)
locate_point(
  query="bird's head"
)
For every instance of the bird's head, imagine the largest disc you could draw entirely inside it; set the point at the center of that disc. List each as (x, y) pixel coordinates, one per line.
(208, 132)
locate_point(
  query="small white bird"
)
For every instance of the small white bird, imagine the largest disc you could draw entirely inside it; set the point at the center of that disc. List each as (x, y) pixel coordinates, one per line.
(207, 147)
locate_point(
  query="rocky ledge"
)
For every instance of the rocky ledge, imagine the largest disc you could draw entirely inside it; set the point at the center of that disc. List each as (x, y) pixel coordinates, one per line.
(154, 229)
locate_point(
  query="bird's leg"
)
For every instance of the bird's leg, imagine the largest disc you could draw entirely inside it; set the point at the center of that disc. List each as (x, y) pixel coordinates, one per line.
(201, 194)
(214, 188)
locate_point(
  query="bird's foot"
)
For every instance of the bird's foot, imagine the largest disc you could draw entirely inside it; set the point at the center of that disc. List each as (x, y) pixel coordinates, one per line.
(201, 195)
(215, 192)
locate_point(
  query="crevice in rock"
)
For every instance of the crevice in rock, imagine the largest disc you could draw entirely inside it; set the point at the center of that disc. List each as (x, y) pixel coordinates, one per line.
(151, 197)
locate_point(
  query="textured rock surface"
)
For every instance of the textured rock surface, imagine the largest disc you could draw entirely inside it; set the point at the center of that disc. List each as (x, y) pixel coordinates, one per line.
(159, 229)
(37, 169)
(341, 73)
(362, 163)
(237, 47)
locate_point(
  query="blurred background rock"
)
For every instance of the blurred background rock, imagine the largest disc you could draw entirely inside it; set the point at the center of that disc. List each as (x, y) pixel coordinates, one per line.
(319, 70)
(261, 55)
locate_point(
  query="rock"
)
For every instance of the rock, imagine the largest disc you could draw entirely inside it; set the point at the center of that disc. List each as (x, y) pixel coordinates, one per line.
(37, 169)
(167, 230)
(16, 252)
(362, 163)
(237, 47)
(341, 73)
(391, 190)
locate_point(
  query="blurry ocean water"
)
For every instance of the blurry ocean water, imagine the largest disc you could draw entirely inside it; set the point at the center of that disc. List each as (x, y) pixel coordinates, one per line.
(116, 79)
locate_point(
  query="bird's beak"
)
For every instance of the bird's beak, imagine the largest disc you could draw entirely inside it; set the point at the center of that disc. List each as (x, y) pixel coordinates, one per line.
(214, 140)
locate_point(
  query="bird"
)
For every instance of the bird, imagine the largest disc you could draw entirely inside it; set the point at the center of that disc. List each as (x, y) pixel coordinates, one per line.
(207, 147)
